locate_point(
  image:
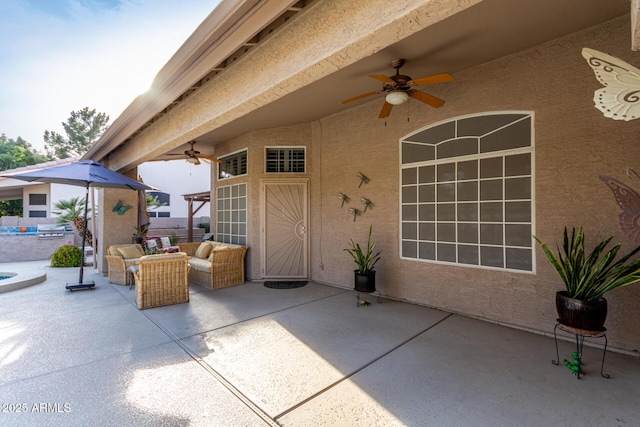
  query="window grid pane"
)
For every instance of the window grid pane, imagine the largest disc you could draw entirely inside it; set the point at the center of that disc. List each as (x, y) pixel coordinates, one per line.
(231, 207)
(285, 160)
(474, 212)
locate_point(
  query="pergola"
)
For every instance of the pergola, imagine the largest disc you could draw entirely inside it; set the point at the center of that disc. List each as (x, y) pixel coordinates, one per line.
(203, 198)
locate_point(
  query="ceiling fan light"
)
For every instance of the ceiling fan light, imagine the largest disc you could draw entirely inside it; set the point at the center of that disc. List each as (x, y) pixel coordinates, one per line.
(397, 97)
(193, 160)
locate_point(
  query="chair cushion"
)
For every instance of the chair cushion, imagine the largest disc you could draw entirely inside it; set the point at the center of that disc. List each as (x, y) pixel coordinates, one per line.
(203, 250)
(130, 252)
(200, 264)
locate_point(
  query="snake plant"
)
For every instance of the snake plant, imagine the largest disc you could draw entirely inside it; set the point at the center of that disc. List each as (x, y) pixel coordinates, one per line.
(365, 259)
(589, 276)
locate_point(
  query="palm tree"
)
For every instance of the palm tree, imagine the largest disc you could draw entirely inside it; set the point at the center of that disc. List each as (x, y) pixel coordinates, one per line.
(71, 212)
(68, 210)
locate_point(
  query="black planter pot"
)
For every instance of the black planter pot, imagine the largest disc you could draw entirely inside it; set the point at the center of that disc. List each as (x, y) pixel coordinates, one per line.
(365, 282)
(587, 315)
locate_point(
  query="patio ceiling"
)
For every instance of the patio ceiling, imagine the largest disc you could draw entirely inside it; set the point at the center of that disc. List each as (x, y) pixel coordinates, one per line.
(483, 32)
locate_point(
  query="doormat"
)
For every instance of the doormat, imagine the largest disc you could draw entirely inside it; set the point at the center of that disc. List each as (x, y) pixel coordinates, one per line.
(286, 284)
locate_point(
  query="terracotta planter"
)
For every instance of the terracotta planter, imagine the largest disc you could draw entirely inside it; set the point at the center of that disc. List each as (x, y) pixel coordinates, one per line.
(365, 282)
(586, 315)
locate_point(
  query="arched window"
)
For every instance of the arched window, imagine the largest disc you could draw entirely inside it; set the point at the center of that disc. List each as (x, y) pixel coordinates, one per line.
(467, 192)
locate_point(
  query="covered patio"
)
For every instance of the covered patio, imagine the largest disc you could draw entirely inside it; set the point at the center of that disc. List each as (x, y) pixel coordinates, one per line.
(254, 356)
(259, 81)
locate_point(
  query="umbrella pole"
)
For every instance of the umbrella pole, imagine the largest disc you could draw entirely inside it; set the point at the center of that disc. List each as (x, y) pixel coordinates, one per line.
(81, 285)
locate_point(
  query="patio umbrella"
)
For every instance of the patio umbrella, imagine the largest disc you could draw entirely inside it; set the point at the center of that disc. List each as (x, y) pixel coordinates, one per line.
(85, 173)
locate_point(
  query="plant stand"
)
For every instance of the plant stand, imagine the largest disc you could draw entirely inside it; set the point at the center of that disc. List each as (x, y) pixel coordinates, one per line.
(361, 302)
(580, 334)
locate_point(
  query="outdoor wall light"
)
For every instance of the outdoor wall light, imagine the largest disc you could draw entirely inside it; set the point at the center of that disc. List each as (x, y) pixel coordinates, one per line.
(397, 97)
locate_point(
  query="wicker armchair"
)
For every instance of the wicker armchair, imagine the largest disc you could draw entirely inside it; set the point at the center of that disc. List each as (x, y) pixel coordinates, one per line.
(162, 280)
(118, 264)
(223, 267)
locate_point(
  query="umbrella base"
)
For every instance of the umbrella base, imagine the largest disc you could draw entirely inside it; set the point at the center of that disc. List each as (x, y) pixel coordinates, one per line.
(81, 286)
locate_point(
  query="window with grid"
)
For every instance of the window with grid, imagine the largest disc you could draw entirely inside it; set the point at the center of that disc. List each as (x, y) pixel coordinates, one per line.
(467, 192)
(285, 159)
(231, 214)
(233, 165)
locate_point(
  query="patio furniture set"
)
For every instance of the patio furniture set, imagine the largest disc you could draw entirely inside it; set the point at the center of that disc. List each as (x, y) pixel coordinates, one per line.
(163, 279)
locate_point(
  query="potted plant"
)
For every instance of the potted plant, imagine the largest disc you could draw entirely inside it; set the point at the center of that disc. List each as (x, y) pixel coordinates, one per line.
(587, 277)
(140, 232)
(365, 275)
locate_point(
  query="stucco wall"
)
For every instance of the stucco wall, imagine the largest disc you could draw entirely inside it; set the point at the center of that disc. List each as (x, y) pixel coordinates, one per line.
(574, 143)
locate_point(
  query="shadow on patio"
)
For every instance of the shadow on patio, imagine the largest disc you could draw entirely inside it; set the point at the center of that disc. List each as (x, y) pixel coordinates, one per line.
(250, 355)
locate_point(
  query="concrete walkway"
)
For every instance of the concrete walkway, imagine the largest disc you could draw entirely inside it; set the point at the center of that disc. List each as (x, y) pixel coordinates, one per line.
(253, 356)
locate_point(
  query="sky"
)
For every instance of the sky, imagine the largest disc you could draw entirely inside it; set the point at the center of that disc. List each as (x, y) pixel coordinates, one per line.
(59, 56)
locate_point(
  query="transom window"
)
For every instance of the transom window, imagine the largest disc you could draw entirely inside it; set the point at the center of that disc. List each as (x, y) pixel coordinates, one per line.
(467, 192)
(233, 165)
(285, 159)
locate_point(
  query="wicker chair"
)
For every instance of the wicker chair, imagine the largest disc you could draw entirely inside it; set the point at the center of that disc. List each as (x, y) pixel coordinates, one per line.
(118, 264)
(223, 268)
(162, 280)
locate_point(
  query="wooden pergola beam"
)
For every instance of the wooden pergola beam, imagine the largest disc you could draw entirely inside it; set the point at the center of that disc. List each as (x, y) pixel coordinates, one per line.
(203, 198)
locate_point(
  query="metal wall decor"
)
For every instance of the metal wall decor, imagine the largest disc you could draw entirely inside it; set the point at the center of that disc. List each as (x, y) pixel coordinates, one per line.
(366, 203)
(363, 179)
(355, 212)
(344, 198)
(120, 209)
(628, 200)
(620, 98)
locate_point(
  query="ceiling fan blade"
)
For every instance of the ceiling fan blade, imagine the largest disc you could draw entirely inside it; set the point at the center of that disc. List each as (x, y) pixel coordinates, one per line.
(355, 98)
(426, 98)
(429, 80)
(382, 78)
(386, 110)
(212, 159)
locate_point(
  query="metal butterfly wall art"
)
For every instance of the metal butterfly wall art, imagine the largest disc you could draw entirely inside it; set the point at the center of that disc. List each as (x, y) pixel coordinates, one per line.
(620, 98)
(629, 202)
(120, 209)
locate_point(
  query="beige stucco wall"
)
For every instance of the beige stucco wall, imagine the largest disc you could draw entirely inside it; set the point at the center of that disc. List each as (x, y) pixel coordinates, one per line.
(574, 143)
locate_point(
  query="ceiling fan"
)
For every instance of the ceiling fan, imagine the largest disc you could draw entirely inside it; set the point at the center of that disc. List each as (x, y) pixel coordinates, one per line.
(400, 87)
(194, 156)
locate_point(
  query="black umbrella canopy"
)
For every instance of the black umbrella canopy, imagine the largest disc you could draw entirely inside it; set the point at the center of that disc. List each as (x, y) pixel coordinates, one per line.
(85, 173)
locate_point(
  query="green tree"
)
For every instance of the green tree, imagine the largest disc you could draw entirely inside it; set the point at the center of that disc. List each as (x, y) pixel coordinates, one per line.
(83, 128)
(15, 154)
(67, 210)
(11, 207)
(153, 202)
(18, 153)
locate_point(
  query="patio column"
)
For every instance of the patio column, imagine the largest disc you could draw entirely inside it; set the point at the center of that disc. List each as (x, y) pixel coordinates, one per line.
(114, 227)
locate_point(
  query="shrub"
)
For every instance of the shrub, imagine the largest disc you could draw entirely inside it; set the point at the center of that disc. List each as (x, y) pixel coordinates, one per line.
(206, 226)
(66, 256)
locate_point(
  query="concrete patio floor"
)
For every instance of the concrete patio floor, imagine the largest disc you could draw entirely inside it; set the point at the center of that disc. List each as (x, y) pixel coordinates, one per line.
(253, 356)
